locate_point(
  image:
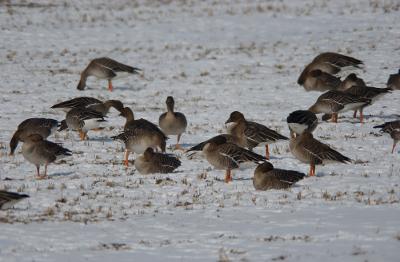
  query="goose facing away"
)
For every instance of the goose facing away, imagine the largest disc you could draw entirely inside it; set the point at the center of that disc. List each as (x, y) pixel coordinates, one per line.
(173, 123)
(82, 120)
(42, 152)
(267, 177)
(227, 156)
(138, 139)
(105, 68)
(394, 81)
(335, 102)
(393, 129)
(152, 162)
(255, 133)
(309, 150)
(329, 62)
(300, 121)
(42, 126)
(8, 199)
(91, 103)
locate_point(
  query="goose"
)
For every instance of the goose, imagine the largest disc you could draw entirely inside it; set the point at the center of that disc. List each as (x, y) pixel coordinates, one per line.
(82, 119)
(349, 81)
(318, 80)
(331, 63)
(267, 177)
(8, 199)
(151, 162)
(311, 151)
(42, 126)
(105, 68)
(335, 102)
(300, 121)
(171, 122)
(39, 152)
(255, 133)
(227, 156)
(139, 138)
(89, 102)
(393, 129)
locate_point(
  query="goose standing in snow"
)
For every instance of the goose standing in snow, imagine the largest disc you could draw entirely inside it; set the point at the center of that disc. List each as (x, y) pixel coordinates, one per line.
(393, 129)
(42, 152)
(171, 122)
(82, 120)
(105, 68)
(227, 156)
(255, 133)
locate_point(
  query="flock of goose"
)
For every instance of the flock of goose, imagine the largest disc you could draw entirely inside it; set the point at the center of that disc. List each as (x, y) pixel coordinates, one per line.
(225, 151)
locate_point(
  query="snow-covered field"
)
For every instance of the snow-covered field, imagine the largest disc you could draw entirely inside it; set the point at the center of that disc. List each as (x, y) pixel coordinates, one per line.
(214, 57)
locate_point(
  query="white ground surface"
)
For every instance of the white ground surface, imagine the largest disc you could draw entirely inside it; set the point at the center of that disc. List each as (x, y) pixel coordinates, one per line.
(213, 57)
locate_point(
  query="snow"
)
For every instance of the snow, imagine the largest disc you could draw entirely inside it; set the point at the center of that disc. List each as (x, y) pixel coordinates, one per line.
(214, 57)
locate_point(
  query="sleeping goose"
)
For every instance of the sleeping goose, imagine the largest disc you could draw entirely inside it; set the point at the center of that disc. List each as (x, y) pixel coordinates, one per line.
(255, 133)
(42, 126)
(42, 152)
(8, 199)
(152, 162)
(311, 151)
(82, 120)
(105, 68)
(89, 102)
(393, 129)
(227, 156)
(267, 177)
(171, 122)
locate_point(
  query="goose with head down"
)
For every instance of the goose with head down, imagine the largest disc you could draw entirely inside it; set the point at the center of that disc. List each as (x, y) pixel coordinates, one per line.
(393, 129)
(89, 102)
(105, 68)
(151, 162)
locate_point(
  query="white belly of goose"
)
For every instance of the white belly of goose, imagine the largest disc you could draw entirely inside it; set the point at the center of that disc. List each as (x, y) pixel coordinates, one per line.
(92, 124)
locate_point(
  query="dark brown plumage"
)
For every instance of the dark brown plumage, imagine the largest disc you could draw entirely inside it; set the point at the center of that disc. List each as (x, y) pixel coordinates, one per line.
(393, 129)
(8, 199)
(152, 162)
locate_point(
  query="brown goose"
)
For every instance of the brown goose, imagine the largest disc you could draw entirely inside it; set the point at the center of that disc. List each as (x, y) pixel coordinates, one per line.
(335, 102)
(8, 199)
(392, 128)
(139, 137)
(105, 68)
(256, 134)
(309, 150)
(300, 121)
(151, 162)
(42, 126)
(330, 63)
(82, 119)
(172, 123)
(227, 156)
(132, 123)
(89, 102)
(394, 81)
(349, 81)
(318, 80)
(267, 177)
(42, 152)
(366, 92)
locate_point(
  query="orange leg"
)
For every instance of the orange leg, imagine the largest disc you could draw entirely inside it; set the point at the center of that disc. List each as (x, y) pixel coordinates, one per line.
(126, 162)
(312, 170)
(228, 177)
(394, 145)
(82, 135)
(334, 117)
(37, 171)
(110, 86)
(267, 152)
(355, 113)
(178, 146)
(361, 116)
